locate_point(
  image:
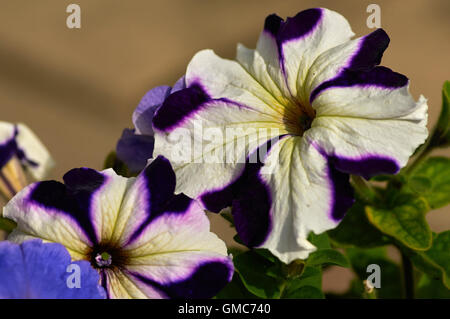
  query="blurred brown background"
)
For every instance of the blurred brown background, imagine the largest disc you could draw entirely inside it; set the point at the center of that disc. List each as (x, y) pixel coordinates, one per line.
(77, 88)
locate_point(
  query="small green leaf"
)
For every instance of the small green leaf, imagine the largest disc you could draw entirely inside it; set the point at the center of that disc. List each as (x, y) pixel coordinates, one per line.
(391, 277)
(252, 269)
(431, 180)
(356, 231)
(435, 261)
(404, 222)
(327, 257)
(320, 241)
(7, 225)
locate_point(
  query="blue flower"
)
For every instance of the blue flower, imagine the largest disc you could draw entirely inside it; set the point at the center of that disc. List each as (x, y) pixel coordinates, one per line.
(34, 270)
(135, 146)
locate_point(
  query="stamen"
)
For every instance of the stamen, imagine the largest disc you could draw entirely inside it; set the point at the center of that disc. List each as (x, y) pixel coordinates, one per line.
(103, 260)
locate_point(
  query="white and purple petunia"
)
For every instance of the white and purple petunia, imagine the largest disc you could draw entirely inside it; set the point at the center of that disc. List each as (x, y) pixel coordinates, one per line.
(135, 146)
(144, 241)
(36, 270)
(20, 148)
(327, 110)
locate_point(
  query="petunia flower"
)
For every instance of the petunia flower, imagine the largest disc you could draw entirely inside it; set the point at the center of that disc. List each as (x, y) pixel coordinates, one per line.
(135, 146)
(310, 101)
(144, 241)
(34, 270)
(20, 148)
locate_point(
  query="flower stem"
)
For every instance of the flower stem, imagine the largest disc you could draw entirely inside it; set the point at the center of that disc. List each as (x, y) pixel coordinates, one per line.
(418, 160)
(364, 189)
(408, 276)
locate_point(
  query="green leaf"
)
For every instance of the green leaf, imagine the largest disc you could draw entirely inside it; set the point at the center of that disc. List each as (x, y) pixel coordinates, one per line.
(327, 257)
(431, 180)
(324, 255)
(356, 231)
(266, 254)
(235, 290)
(405, 221)
(308, 285)
(253, 271)
(430, 288)
(441, 134)
(321, 241)
(391, 278)
(7, 225)
(436, 261)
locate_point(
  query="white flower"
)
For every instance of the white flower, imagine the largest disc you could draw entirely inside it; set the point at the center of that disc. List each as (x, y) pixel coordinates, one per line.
(20, 148)
(144, 241)
(328, 111)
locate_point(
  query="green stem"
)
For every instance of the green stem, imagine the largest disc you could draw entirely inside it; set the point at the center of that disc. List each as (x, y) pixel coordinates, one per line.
(364, 189)
(408, 276)
(418, 160)
(282, 289)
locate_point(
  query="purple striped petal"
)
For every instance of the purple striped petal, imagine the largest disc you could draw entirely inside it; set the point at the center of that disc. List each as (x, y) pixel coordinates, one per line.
(134, 149)
(300, 25)
(143, 115)
(343, 194)
(367, 166)
(361, 70)
(74, 198)
(205, 282)
(156, 195)
(250, 199)
(179, 106)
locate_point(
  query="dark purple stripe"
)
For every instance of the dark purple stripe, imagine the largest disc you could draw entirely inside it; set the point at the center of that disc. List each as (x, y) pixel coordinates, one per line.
(379, 77)
(362, 70)
(343, 194)
(293, 28)
(104, 282)
(366, 167)
(8, 149)
(160, 186)
(339, 169)
(250, 199)
(370, 51)
(272, 24)
(72, 198)
(178, 106)
(206, 282)
(299, 26)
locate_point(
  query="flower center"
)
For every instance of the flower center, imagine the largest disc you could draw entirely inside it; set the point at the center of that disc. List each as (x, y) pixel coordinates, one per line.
(103, 260)
(298, 118)
(107, 255)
